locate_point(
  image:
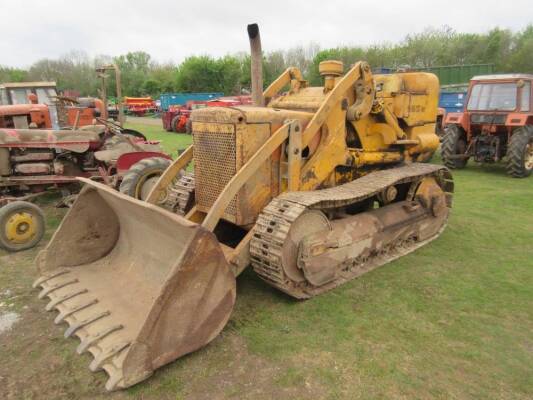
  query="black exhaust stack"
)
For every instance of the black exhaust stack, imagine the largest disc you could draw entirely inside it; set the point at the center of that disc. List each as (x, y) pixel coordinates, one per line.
(256, 65)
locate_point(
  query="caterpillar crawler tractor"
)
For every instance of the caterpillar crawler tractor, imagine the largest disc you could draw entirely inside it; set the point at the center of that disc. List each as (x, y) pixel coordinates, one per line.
(312, 190)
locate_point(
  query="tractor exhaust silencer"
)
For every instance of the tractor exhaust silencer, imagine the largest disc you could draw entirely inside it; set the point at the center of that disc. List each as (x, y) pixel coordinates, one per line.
(138, 285)
(256, 55)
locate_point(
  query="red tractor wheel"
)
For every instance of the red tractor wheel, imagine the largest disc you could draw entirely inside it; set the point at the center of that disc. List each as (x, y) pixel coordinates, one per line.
(168, 127)
(188, 127)
(174, 123)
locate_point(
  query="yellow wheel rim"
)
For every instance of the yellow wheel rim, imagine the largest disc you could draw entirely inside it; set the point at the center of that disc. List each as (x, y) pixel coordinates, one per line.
(149, 178)
(20, 227)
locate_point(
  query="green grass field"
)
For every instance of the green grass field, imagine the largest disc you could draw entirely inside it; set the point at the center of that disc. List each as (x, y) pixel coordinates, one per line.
(170, 142)
(453, 320)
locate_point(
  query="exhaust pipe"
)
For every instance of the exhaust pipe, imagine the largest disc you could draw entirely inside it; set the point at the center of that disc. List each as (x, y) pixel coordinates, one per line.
(256, 65)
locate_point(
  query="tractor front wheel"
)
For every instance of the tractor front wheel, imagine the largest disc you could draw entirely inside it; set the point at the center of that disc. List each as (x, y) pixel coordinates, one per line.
(142, 176)
(174, 123)
(22, 225)
(188, 127)
(520, 152)
(453, 147)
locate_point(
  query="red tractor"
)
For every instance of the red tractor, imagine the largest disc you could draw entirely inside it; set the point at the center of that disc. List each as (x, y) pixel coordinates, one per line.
(33, 161)
(176, 119)
(497, 124)
(25, 105)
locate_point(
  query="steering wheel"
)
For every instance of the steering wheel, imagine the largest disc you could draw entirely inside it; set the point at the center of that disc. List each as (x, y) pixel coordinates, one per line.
(118, 130)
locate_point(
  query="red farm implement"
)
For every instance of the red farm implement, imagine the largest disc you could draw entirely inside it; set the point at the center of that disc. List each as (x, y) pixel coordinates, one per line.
(35, 161)
(139, 106)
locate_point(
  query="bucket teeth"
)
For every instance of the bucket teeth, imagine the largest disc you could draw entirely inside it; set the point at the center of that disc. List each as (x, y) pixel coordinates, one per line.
(98, 361)
(52, 288)
(113, 382)
(63, 315)
(54, 303)
(90, 340)
(75, 327)
(46, 278)
(107, 352)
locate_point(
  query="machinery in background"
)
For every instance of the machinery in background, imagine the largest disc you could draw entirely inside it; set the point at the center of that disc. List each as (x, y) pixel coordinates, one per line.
(312, 188)
(176, 118)
(33, 161)
(114, 109)
(37, 105)
(167, 100)
(30, 103)
(139, 106)
(451, 99)
(496, 125)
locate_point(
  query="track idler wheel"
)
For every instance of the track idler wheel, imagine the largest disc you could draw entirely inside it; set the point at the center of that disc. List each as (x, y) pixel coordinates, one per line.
(326, 256)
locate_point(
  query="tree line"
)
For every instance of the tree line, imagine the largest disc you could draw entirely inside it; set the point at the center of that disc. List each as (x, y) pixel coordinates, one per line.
(141, 75)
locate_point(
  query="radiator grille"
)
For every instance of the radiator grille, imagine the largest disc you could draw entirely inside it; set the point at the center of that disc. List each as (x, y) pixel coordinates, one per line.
(497, 119)
(214, 165)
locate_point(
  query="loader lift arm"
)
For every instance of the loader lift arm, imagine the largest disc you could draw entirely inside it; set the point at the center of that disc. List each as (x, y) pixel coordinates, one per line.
(359, 72)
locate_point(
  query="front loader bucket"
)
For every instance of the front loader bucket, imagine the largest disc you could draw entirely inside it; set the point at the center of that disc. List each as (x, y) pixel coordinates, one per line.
(138, 285)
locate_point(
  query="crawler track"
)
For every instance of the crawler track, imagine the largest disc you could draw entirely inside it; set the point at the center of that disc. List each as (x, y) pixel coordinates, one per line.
(274, 223)
(180, 194)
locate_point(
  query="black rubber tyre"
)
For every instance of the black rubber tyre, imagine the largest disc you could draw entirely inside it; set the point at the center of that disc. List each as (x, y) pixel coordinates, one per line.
(188, 127)
(453, 143)
(174, 122)
(22, 225)
(520, 152)
(141, 177)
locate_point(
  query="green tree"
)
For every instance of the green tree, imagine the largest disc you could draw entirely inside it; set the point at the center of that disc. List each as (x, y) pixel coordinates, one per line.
(12, 74)
(206, 74)
(498, 48)
(229, 68)
(198, 73)
(509, 51)
(135, 67)
(521, 60)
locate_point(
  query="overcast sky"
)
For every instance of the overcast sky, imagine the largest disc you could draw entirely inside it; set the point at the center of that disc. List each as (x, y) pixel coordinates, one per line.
(173, 30)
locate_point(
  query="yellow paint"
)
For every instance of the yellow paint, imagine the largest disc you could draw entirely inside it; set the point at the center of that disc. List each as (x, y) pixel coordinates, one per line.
(354, 121)
(20, 228)
(375, 158)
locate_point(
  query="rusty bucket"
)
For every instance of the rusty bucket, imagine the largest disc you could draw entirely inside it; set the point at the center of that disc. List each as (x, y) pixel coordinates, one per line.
(138, 285)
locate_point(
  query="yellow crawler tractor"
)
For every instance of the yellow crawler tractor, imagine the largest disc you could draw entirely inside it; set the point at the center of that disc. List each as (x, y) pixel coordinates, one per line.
(315, 188)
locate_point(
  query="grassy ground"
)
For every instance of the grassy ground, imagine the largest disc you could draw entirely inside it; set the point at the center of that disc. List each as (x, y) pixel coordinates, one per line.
(454, 320)
(170, 142)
